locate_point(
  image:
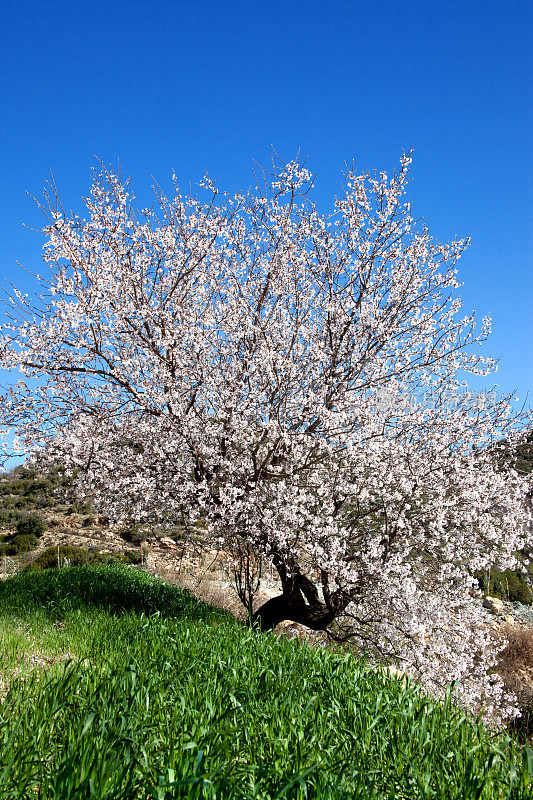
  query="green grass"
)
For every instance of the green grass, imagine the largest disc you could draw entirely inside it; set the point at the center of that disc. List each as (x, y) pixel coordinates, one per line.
(163, 697)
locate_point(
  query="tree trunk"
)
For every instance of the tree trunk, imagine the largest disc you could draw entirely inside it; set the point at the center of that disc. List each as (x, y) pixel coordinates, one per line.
(316, 616)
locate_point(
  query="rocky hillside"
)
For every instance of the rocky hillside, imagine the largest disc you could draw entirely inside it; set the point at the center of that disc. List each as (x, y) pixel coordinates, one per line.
(43, 524)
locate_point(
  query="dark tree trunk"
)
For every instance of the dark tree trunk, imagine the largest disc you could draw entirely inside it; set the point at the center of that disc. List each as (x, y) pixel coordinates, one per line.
(316, 616)
(300, 601)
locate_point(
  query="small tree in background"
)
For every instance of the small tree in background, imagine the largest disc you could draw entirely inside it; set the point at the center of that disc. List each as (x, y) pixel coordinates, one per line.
(289, 378)
(247, 571)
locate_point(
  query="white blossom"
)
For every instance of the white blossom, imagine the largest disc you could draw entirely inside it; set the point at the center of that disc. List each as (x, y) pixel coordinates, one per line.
(252, 366)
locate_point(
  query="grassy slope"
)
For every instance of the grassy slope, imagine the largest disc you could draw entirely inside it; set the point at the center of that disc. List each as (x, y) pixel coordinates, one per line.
(185, 702)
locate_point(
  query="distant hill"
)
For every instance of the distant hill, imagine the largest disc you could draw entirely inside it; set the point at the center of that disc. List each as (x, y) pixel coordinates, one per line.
(524, 456)
(519, 458)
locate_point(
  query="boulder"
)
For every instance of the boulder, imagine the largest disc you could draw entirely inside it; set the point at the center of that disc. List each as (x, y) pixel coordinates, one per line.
(167, 543)
(293, 630)
(394, 672)
(493, 604)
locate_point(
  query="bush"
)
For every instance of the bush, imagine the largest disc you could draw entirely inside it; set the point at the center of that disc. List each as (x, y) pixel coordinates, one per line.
(24, 472)
(37, 486)
(21, 502)
(131, 556)
(49, 558)
(127, 557)
(69, 555)
(132, 533)
(25, 542)
(21, 543)
(31, 525)
(80, 507)
(44, 502)
(516, 668)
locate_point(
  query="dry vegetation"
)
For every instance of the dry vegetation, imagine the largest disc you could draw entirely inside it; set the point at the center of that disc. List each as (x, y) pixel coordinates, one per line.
(516, 669)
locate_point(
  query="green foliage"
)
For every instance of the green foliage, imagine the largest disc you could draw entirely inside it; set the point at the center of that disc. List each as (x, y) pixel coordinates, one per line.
(80, 507)
(32, 490)
(25, 542)
(189, 704)
(53, 557)
(24, 472)
(512, 585)
(21, 543)
(69, 555)
(519, 458)
(6, 549)
(524, 456)
(8, 504)
(27, 489)
(130, 557)
(38, 486)
(110, 586)
(132, 532)
(22, 502)
(31, 525)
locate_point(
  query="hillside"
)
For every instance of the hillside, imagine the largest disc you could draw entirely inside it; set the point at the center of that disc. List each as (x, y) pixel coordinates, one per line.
(81, 536)
(75, 535)
(108, 700)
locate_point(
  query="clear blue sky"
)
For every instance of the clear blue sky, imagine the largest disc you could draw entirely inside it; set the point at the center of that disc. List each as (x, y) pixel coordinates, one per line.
(212, 85)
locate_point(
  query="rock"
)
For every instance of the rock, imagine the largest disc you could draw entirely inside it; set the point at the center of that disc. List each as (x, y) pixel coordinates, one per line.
(394, 672)
(509, 620)
(167, 542)
(294, 630)
(493, 604)
(285, 624)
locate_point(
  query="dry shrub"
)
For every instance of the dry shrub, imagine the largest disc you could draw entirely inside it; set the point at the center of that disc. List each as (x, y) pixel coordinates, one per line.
(222, 596)
(246, 570)
(516, 669)
(216, 592)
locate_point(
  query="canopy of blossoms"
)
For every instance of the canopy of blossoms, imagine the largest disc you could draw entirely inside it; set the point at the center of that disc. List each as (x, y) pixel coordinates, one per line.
(250, 367)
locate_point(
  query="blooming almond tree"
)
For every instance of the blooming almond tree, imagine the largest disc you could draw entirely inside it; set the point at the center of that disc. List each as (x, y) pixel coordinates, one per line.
(255, 369)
